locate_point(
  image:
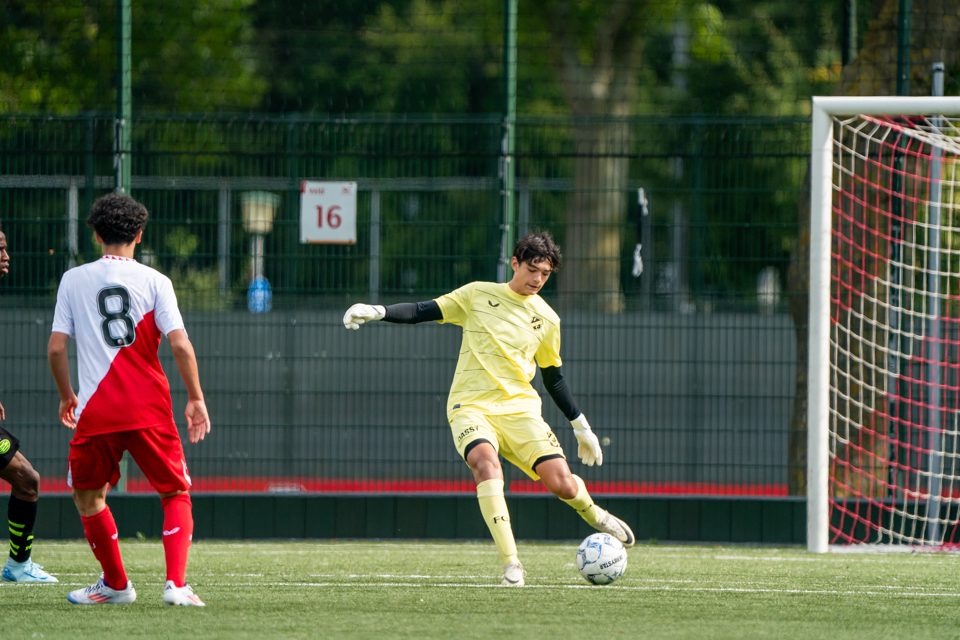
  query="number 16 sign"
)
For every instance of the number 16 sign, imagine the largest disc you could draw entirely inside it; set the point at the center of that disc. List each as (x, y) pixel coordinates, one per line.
(328, 212)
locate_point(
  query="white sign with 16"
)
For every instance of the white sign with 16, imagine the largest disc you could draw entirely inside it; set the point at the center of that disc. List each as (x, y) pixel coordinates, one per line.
(328, 212)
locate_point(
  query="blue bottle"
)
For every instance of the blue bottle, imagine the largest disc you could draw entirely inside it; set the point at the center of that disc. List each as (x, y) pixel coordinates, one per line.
(259, 296)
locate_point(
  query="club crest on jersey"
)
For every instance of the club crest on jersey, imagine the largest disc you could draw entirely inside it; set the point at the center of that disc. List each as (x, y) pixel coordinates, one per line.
(537, 323)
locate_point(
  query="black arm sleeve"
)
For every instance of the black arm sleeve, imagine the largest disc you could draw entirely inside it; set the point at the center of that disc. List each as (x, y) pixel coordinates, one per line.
(557, 388)
(413, 312)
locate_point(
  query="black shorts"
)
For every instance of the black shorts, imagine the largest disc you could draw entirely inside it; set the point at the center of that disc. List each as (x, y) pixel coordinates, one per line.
(9, 445)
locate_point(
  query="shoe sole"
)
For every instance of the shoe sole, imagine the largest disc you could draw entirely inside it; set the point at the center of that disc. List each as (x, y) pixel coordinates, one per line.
(182, 604)
(72, 601)
(30, 581)
(83, 603)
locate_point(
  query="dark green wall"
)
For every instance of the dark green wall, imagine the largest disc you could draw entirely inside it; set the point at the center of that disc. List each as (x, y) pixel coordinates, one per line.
(781, 521)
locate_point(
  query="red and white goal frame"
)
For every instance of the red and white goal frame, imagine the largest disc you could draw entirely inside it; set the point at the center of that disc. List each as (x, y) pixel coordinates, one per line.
(883, 459)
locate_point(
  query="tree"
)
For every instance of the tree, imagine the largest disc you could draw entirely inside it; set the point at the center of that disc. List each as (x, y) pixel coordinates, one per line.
(595, 55)
(59, 56)
(394, 56)
(935, 37)
(739, 58)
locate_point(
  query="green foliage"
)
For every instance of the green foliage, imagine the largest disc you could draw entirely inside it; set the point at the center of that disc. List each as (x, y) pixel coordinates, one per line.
(59, 56)
(411, 56)
(52, 53)
(747, 58)
(196, 287)
(195, 56)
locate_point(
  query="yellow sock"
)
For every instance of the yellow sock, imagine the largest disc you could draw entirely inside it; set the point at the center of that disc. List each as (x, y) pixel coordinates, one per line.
(583, 503)
(493, 506)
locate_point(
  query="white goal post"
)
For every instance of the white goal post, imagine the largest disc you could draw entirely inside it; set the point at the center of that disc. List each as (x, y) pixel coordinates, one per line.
(882, 171)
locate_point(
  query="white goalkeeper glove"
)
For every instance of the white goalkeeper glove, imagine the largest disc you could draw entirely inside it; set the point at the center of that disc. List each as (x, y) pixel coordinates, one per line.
(589, 451)
(360, 313)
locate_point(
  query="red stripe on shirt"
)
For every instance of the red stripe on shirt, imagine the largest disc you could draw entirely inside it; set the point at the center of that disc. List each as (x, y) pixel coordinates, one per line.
(135, 393)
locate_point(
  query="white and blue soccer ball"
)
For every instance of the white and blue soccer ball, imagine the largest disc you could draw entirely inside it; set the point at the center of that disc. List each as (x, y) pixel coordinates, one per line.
(601, 558)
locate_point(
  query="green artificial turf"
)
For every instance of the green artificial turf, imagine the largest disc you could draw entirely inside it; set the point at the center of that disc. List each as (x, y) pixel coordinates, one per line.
(446, 590)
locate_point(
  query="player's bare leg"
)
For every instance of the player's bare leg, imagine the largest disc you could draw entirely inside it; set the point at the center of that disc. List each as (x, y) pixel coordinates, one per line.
(556, 476)
(21, 516)
(100, 529)
(488, 474)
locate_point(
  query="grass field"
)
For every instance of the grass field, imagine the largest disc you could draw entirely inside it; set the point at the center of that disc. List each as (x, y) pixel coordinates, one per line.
(446, 590)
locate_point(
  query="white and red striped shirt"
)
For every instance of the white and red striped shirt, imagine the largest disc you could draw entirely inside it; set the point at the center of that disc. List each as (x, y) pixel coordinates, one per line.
(116, 309)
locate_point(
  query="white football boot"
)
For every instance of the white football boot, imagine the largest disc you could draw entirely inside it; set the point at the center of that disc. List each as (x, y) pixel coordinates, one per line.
(616, 527)
(183, 596)
(513, 575)
(100, 593)
(26, 571)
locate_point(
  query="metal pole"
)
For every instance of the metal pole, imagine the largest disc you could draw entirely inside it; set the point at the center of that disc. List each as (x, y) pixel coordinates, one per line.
(256, 254)
(848, 48)
(933, 377)
(121, 138)
(678, 243)
(122, 121)
(88, 165)
(73, 206)
(224, 233)
(374, 246)
(507, 168)
(904, 25)
(523, 218)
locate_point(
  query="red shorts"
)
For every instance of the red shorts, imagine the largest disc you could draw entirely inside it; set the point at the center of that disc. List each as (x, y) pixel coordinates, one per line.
(157, 451)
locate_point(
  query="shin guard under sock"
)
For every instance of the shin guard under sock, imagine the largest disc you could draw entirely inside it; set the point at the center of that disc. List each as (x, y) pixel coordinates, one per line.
(493, 506)
(177, 535)
(21, 516)
(101, 533)
(583, 503)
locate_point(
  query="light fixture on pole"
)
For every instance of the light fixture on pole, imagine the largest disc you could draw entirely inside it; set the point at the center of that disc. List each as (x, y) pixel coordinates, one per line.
(258, 211)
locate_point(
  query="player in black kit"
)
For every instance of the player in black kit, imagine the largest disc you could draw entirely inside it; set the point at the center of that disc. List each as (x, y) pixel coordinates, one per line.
(25, 484)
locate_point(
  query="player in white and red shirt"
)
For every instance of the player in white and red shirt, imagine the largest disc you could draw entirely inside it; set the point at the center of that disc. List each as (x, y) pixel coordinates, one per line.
(117, 309)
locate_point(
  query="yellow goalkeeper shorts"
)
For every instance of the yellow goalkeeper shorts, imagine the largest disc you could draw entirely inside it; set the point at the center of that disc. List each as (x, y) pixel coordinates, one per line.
(522, 438)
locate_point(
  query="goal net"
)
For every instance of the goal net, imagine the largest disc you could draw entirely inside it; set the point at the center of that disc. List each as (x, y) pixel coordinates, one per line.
(884, 454)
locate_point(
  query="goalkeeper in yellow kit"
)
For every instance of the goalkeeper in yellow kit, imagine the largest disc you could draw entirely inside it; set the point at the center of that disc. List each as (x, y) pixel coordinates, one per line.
(507, 331)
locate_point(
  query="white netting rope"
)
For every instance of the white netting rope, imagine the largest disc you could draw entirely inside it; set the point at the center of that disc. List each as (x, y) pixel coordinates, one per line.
(895, 465)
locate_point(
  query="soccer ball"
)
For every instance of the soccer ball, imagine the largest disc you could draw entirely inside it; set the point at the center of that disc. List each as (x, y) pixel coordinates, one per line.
(601, 559)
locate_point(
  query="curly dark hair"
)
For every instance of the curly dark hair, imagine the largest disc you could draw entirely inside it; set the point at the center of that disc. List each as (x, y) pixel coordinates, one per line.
(536, 247)
(117, 218)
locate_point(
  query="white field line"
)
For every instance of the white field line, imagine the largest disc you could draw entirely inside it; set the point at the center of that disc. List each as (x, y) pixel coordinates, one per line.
(656, 585)
(407, 585)
(883, 591)
(767, 559)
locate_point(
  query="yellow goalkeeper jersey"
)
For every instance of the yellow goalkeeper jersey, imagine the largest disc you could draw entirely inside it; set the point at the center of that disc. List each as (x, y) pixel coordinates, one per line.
(505, 336)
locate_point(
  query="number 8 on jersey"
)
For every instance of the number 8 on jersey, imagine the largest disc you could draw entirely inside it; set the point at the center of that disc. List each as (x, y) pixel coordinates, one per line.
(114, 320)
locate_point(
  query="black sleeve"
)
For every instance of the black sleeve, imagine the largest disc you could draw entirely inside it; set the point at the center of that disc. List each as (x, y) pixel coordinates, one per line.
(413, 312)
(557, 388)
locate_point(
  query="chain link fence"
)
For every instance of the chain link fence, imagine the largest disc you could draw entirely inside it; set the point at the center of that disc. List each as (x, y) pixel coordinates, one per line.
(687, 371)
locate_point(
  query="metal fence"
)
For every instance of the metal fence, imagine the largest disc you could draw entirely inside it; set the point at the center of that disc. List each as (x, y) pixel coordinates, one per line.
(687, 372)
